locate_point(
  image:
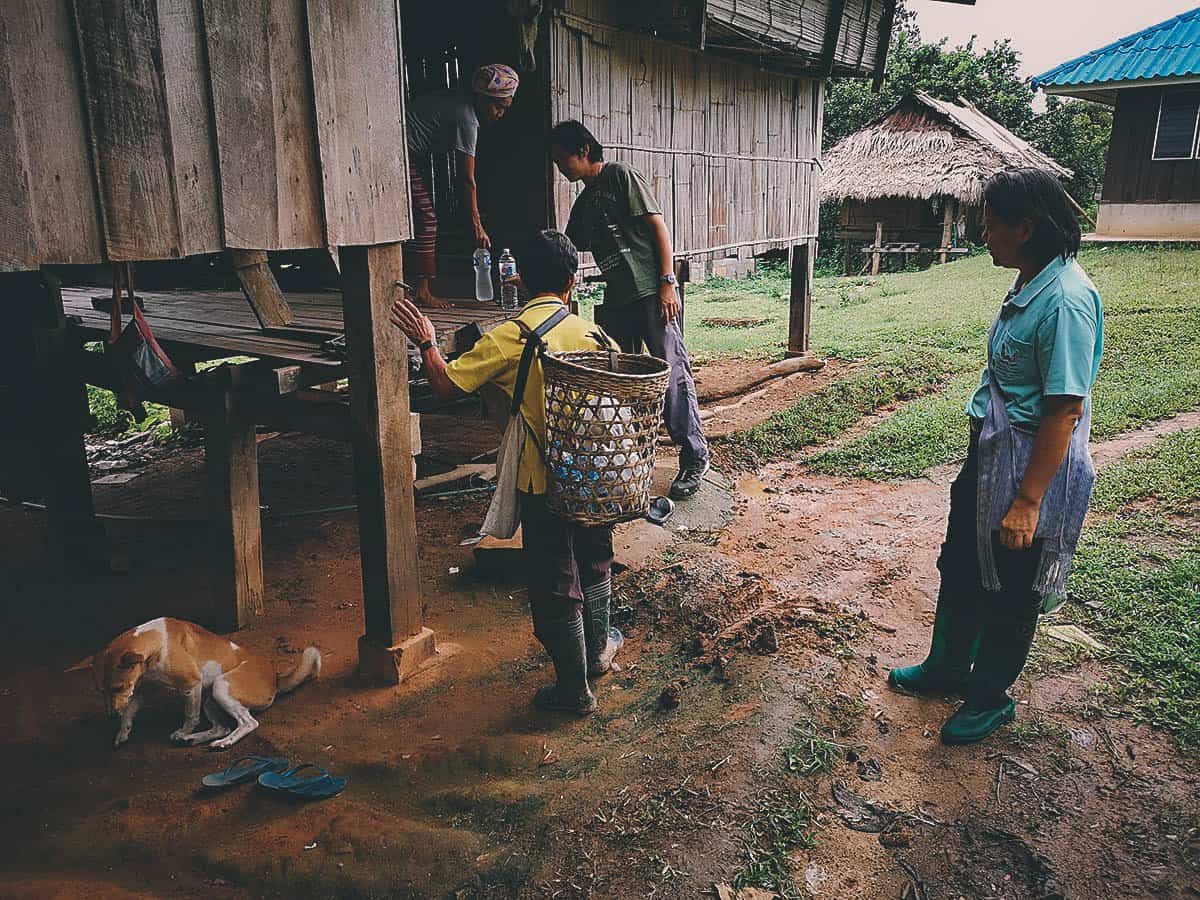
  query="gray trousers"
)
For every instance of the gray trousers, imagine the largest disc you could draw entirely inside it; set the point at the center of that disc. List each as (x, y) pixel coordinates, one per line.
(639, 322)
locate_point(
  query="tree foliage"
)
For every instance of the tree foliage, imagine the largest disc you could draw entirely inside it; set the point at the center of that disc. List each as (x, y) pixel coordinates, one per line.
(1073, 132)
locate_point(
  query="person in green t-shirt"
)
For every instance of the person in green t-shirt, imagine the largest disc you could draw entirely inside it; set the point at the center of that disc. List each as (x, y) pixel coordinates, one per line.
(617, 219)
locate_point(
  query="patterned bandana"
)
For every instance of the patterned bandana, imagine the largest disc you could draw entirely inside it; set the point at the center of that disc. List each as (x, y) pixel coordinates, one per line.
(495, 80)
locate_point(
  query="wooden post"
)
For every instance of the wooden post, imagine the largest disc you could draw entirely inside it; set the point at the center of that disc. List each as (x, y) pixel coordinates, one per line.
(683, 274)
(395, 643)
(800, 303)
(231, 467)
(875, 257)
(846, 256)
(55, 399)
(947, 227)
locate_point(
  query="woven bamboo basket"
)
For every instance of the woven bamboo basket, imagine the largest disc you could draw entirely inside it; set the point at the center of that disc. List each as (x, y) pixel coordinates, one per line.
(601, 431)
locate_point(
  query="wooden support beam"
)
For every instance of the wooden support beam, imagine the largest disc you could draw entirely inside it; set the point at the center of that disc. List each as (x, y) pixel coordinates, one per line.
(231, 466)
(886, 20)
(800, 302)
(395, 643)
(875, 257)
(683, 273)
(833, 28)
(947, 227)
(699, 14)
(261, 288)
(55, 400)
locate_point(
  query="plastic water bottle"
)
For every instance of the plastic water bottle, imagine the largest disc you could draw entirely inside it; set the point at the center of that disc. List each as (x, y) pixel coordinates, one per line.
(508, 290)
(483, 275)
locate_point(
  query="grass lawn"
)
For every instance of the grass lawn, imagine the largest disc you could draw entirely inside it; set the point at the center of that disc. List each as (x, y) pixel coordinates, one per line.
(919, 337)
(1137, 579)
(918, 341)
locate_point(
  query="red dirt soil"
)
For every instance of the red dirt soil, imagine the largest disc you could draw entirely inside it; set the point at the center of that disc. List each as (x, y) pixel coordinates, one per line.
(458, 788)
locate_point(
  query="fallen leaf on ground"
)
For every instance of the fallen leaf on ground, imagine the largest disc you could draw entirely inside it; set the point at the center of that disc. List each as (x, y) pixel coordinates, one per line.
(1073, 634)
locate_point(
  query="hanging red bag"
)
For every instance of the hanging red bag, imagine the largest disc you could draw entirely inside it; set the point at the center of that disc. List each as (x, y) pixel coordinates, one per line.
(142, 363)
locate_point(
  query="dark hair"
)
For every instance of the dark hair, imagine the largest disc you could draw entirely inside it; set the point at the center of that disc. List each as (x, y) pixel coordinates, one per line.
(575, 137)
(548, 260)
(1015, 194)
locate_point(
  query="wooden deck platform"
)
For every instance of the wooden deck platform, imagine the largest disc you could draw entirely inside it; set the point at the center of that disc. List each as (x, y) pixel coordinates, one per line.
(223, 321)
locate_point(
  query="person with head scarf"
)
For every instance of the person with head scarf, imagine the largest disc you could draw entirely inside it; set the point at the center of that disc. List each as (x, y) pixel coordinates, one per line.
(443, 122)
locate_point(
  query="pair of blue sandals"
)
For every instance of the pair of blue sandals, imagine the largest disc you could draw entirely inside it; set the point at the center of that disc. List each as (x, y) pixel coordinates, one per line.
(276, 775)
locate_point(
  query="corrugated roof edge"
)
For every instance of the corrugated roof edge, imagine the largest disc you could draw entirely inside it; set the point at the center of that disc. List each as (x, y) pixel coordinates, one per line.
(1053, 75)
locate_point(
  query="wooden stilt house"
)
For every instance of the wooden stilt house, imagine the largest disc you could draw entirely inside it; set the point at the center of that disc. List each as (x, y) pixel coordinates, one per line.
(143, 130)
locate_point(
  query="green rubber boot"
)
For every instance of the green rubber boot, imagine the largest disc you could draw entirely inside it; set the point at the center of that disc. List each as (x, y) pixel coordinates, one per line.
(603, 641)
(1007, 636)
(951, 651)
(563, 640)
(974, 723)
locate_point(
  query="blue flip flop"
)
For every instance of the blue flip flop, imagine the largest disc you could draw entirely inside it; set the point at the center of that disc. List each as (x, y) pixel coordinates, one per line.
(245, 769)
(318, 787)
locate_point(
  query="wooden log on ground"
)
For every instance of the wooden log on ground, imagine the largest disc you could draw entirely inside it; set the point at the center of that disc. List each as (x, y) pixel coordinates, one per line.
(458, 473)
(753, 379)
(395, 643)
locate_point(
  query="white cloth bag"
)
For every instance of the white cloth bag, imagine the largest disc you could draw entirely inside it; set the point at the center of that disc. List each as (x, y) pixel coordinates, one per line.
(504, 512)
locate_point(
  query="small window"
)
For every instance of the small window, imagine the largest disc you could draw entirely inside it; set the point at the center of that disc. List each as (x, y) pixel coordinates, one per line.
(1178, 115)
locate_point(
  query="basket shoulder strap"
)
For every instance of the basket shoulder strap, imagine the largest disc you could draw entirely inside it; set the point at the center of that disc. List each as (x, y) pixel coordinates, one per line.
(534, 344)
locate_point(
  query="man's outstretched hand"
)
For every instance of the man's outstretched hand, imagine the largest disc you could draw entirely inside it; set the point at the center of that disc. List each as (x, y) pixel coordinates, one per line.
(412, 321)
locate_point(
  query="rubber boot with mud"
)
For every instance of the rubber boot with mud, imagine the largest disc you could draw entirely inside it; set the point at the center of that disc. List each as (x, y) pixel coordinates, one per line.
(951, 651)
(603, 641)
(564, 641)
(973, 722)
(1003, 649)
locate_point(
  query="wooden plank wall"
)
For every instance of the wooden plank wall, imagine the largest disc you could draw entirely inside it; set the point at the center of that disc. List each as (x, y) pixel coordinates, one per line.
(717, 139)
(1132, 175)
(365, 182)
(43, 142)
(152, 129)
(148, 133)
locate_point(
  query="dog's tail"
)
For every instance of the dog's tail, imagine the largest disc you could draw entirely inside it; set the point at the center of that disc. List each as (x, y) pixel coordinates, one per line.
(308, 667)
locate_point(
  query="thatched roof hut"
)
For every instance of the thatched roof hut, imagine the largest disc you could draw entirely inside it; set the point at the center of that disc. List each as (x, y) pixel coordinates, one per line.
(925, 148)
(914, 177)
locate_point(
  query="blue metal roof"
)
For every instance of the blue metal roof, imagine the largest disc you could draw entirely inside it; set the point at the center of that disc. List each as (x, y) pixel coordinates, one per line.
(1170, 49)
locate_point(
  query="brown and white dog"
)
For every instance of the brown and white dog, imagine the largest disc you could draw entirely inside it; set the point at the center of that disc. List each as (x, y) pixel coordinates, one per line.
(208, 670)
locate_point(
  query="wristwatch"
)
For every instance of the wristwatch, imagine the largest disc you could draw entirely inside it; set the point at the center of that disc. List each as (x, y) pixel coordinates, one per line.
(669, 278)
(425, 345)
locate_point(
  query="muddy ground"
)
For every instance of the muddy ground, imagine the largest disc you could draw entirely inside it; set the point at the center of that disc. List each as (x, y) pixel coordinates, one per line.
(774, 634)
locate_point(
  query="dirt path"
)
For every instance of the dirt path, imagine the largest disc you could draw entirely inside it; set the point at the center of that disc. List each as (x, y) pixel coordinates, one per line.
(1094, 810)
(459, 789)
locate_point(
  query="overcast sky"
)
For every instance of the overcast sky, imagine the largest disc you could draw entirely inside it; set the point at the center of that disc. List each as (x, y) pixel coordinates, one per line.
(1045, 32)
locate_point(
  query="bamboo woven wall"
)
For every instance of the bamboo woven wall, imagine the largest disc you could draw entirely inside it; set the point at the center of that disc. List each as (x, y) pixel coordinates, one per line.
(151, 129)
(728, 149)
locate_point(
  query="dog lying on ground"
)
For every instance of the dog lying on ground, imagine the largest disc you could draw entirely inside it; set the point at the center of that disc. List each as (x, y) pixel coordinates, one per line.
(209, 671)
